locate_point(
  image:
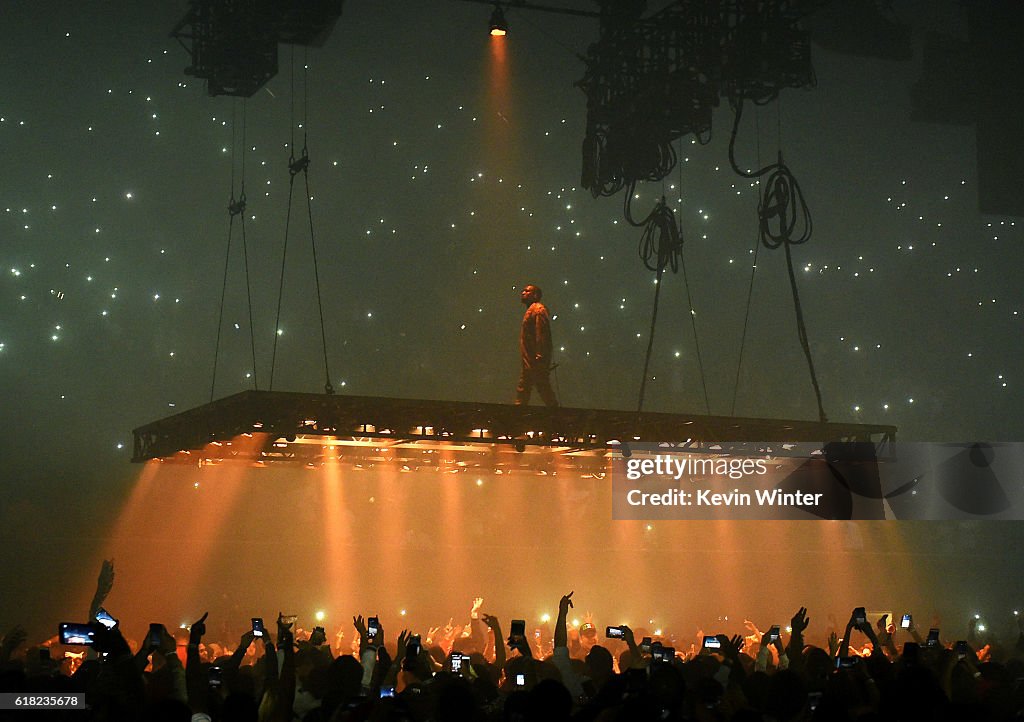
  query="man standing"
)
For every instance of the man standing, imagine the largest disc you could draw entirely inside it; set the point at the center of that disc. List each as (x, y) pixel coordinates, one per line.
(535, 349)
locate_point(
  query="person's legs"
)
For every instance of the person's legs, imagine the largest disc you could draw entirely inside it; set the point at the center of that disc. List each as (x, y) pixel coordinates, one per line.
(524, 386)
(542, 380)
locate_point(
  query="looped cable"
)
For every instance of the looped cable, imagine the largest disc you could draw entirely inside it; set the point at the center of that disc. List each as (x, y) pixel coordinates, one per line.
(784, 220)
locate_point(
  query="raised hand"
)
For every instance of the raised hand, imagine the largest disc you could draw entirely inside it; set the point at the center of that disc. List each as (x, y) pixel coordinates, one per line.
(105, 580)
(403, 643)
(318, 637)
(491, 621)
(477, 603)
(730, 647)
(799, 621)
(198, 629)
(360, 626)
(246, 639)
(833, 643)
(565, 604)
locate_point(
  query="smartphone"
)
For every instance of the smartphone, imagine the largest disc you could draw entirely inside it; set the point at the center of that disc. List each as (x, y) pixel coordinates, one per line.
(104, 618)
(455, 663)
(520, 680)
(214, 676)
(933, 637)
(387, 692)
(517, 628)
(73, 633)
(258, 630)
(645, 645)
(906, 621)
(413, 647)
(773, 633)
(961, 649)
(860, 616)
(712, 642)
(813, 699)
(846, 662)
(372, 627)
(156, 634)
(614, 633)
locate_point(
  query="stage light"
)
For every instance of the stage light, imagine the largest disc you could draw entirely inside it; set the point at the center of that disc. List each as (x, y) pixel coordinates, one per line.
(547, 618)
(319, 615)
(498, 25)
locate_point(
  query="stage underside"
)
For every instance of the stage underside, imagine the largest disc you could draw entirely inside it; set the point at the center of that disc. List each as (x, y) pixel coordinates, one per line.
(274, 427)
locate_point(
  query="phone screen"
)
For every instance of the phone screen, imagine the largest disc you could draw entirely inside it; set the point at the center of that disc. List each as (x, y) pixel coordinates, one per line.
(72, 633)
(905, 622)
(520, 680)
(372, 626)
(614, 633)
(258, 630)
(155, 634)
(712, 643)
(517, 628)
(104, 618)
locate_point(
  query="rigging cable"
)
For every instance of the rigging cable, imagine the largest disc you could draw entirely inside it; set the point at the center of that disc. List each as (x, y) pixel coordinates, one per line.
(689, 301)
(753, 271)
(783, 205)
(236, 207)
(295, 167)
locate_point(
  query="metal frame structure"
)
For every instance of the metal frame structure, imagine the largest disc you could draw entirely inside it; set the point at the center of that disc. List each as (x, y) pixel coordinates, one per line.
(287, 428)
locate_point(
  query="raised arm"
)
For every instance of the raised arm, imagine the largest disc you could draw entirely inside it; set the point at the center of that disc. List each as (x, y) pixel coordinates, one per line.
(104, 583)
(499, 641)
(195, 684)
(795, 648)
(561, 632)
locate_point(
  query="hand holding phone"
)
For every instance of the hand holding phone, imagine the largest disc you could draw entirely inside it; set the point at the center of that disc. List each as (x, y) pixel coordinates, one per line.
(614, 633)
(258, 630)
(155, 635)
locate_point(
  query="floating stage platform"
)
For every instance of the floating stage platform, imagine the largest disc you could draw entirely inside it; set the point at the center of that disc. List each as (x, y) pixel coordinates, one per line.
(286, 428)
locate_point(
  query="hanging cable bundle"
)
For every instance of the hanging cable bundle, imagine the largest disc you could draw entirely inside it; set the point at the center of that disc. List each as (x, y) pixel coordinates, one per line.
(661, 244)
(661, 247)
(784, 220)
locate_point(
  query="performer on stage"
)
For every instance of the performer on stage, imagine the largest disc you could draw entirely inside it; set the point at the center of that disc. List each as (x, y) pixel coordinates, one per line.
(535, 349)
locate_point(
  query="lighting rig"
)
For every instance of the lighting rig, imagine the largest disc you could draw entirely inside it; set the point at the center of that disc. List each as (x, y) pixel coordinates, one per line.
(233, 43)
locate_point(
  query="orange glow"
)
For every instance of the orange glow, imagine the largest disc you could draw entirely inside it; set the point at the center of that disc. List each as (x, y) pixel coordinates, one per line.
(375, 538)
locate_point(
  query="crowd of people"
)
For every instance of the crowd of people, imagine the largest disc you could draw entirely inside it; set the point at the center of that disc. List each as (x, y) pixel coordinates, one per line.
(480, 671)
